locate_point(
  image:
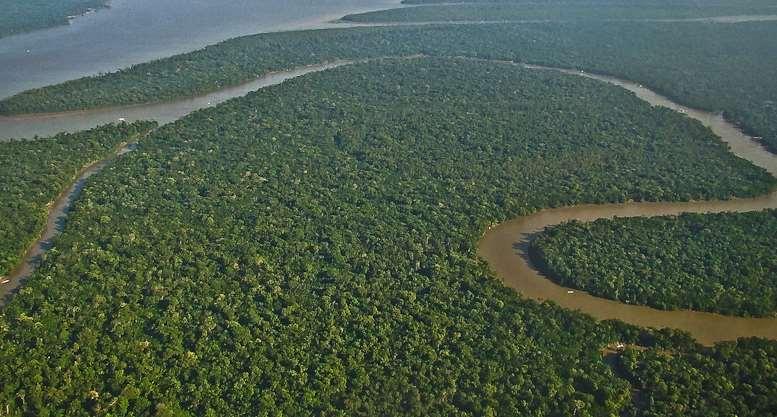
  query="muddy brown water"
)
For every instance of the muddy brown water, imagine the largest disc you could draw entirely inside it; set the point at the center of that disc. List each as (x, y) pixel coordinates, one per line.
(57, 215)
(504, 246)
(46, 124)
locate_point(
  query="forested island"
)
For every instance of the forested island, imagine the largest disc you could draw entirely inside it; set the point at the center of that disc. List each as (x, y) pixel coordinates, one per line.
(34, 172)
(309, 249)
(724, 263)
(559, 11)
(719, 67)
(24, 16)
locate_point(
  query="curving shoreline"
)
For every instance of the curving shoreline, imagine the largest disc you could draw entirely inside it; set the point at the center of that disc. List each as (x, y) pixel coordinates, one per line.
(132, 32)
(55, 219)
(505, 246)
(728, 19)
(47, 124)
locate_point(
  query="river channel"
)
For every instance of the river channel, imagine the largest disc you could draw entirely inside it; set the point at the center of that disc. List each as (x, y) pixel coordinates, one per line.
(48, 124)
(57, 215)
(502, 246)
(134, 31)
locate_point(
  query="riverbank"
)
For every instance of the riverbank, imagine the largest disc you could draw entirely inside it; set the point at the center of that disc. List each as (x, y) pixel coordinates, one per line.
(505, 246)
(511, 264)
(671, 58)
(137, 31)
(28, 16)
(45, 124)
(56, 214)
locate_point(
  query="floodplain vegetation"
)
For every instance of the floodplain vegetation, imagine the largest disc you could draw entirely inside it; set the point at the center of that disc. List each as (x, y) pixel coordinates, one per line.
(34, 172)
(310, 249)
(702, 382)
(728, 68)
(23, 16)
(613, 3)
(724, 263)
(529, 12)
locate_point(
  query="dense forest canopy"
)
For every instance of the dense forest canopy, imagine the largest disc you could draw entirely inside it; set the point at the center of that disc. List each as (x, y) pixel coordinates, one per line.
(719, 67)
(18, 16)
(725, 263)
(33, 173)
(531, 11)
(309, 249)
(712, 382)
(643, 3)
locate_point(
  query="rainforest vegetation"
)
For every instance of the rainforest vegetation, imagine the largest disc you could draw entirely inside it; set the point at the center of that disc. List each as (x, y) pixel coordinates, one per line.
(720, 67)
(614, 3)
(309, 249)
(716, 381)
(34, 172)
(725, 263)
(501, 12)
(26, 15)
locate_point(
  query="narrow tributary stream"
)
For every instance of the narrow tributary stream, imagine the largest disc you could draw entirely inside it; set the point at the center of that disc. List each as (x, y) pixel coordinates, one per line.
(503, 246)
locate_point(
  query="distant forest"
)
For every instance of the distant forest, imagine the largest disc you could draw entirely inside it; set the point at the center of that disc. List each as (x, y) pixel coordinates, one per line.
(643, 3)
(720, 67)
(556, 11)
(18, 16)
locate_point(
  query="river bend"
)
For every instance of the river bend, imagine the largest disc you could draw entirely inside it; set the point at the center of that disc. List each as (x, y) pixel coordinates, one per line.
(503, 246)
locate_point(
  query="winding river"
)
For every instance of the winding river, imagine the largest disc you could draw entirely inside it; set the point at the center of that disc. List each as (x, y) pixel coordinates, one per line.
(47, 124)
(135, 31)
(503, 246)
(56, 218)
